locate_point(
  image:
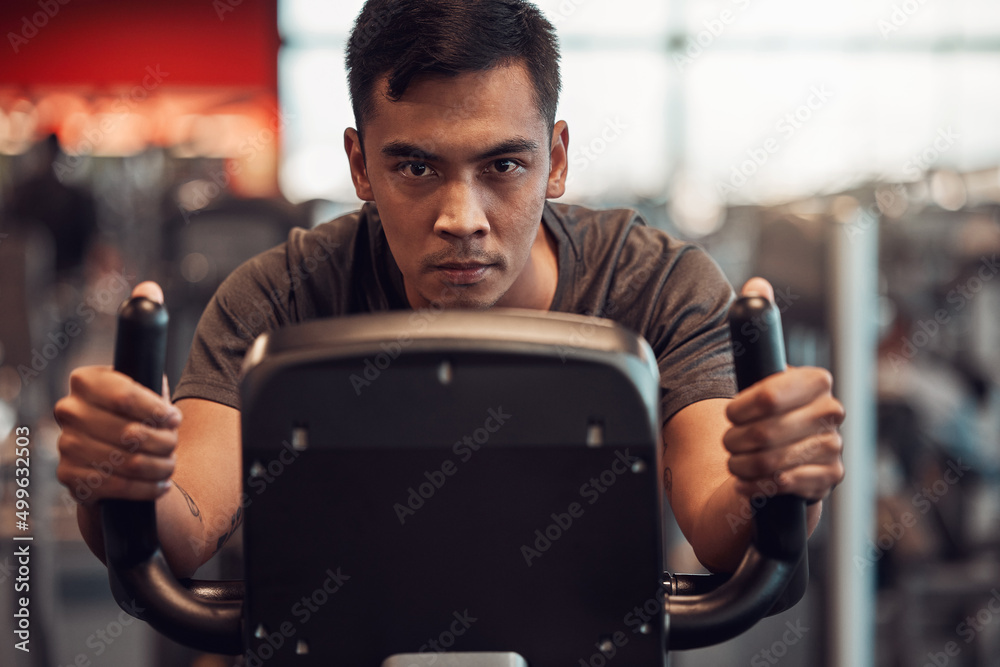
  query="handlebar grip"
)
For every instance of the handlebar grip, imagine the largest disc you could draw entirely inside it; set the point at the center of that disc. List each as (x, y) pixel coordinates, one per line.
(140, 350)
(774, 572)
(759, 351)
(204, 616)
(141, 343)
(758, 348)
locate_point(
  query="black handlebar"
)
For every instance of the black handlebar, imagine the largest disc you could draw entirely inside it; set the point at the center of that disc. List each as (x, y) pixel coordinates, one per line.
(774, 572)
(701, 609)
(204, 615)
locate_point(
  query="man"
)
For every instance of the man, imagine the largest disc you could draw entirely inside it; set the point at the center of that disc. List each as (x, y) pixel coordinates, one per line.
(457, 151)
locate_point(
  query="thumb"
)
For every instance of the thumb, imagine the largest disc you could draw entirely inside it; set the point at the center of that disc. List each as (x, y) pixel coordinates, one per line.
(150, 290)
(757, 286)
(153, 292)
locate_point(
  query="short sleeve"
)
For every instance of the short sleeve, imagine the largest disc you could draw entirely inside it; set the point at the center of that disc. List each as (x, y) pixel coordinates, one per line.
(249, 302)
(690, 334)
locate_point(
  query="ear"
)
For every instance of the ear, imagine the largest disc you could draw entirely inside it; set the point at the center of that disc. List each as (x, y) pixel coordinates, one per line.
(558, 161)
(359, 171)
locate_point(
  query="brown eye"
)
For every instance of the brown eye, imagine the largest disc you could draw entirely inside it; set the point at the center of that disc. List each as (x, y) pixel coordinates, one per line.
(416, 168)
(506, 166)
(503, 166)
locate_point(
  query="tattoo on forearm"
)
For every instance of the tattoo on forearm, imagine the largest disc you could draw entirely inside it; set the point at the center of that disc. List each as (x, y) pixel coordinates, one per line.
(668, 482)
(190, 501)
(234, 523)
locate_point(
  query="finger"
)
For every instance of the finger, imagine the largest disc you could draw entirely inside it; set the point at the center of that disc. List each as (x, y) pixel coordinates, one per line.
(824, 449)
(96, 459)
(823, 415)
(75, 416)
(114, 392)
(811, 482)
(150, 290)
(779, 393)
(757, 286)
(86, 488)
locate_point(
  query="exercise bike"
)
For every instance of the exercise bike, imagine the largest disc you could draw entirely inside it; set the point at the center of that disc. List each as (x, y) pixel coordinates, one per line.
(473, 489)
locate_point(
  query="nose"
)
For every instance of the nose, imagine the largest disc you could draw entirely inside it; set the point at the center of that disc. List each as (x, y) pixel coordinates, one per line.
(461, 214)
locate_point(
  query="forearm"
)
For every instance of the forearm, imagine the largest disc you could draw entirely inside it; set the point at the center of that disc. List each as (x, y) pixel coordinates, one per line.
(723, 531)
(181, 534)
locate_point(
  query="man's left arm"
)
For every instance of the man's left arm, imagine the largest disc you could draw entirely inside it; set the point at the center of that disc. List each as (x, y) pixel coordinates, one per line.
(779, 436)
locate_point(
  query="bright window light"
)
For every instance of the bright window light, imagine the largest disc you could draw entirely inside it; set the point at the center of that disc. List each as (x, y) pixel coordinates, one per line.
(753, 101)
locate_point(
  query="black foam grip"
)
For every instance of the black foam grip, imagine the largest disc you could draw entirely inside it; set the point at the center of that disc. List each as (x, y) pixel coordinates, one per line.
(208, 616)
(759, 351)
(141, 343)
(758, 345)
(140, 350)
(774, 572)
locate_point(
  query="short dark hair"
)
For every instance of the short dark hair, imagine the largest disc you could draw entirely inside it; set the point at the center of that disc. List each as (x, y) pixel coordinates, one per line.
(404, 38)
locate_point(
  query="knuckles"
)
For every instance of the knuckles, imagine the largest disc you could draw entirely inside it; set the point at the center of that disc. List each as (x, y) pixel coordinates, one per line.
(757, 435)
(129, 465)
(122, 401)
(767, 400)
(84, 377)
(64, 411)
(838, 472)
(822, 378)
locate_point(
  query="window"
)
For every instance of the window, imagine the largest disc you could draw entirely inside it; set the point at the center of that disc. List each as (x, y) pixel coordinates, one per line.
(741, 101)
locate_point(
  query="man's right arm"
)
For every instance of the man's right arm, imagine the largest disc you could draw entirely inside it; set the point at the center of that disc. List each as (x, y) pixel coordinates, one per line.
(200, 508)
(121, 440)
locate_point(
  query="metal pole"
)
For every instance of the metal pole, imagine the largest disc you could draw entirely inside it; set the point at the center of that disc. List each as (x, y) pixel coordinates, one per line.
(854, 309)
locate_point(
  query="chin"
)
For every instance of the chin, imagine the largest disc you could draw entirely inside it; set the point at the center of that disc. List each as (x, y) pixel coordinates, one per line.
(471, 303)
(467, 298)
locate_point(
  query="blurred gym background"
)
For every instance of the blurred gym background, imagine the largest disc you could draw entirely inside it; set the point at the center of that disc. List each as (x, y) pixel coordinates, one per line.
(849, 152)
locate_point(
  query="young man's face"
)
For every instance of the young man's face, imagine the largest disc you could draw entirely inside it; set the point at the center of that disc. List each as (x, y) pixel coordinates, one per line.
(460, 168)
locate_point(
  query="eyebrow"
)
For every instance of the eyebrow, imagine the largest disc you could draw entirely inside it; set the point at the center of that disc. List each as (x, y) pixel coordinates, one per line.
(404, 149)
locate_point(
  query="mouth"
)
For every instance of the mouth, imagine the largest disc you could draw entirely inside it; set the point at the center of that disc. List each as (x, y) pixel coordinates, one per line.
(464, 273)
